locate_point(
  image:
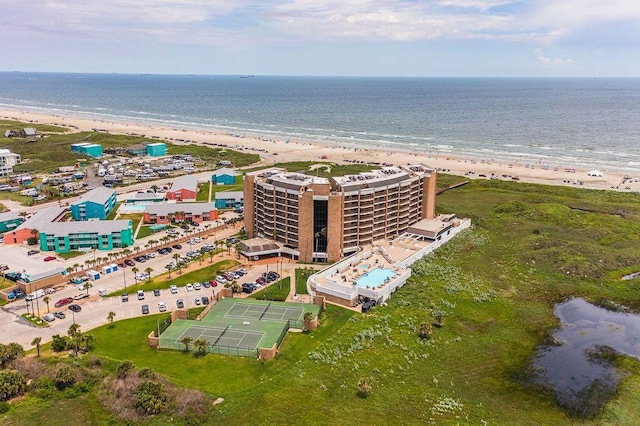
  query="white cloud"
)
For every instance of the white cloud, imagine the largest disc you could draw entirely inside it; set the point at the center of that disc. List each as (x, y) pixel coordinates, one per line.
(546, 62)
(271, 21)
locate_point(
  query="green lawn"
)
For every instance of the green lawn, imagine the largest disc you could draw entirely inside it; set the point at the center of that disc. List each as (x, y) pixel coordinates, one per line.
(112, 214)
(277, 291)
(144, 231)
(70, 254)
(302, 275)
(203, 193)
(134, 217)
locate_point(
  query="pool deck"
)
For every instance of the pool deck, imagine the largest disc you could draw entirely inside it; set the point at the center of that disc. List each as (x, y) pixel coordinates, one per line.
(338, 282)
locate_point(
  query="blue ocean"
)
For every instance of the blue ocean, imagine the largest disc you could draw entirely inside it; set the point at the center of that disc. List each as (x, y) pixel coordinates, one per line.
(588, 122)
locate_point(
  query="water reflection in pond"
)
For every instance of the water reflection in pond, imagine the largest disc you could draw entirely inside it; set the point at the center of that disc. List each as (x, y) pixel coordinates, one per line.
(576, 366)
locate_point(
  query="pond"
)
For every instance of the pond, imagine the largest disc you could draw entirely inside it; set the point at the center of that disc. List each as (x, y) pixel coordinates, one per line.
(577, 364)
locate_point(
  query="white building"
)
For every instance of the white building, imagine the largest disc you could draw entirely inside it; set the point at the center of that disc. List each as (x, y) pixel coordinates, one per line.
(7, 160)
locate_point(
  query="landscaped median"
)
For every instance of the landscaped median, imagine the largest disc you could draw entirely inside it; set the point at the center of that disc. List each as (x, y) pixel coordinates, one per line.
(36, 321)
(163, 281)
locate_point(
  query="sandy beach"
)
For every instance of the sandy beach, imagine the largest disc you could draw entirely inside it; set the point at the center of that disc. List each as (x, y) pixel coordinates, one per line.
(272, 151)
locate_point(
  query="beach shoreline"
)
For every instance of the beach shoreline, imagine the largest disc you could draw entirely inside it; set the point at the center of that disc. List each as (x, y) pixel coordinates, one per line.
(274, 150)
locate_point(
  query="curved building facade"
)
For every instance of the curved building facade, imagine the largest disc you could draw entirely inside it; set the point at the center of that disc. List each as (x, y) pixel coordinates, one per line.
(326, 219)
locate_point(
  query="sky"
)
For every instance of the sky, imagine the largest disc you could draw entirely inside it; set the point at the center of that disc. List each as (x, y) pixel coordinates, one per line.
(500, 38)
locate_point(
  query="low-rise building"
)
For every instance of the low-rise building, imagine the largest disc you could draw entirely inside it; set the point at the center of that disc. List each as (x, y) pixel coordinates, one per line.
(184, 188)
(9, 221)
(91, 149)
(157, 149)
(180, 212)
(229, 199)
(55, 234)
(8, 159)
(95, 204)
(224, 176)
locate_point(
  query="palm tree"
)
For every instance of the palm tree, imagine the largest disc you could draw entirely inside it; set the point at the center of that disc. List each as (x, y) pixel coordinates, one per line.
(75, 267)
(201, 345)
(135, 271)
(88, 340)
(111, 316)
(76, 337)
(86, 286)
(176, 257)
(228, 244)
(148, 270)
(169, 268)
(186, 341)
(46, 300)
(36, 342)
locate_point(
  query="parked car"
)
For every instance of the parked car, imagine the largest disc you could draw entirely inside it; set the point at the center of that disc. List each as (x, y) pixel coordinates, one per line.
(189, 287)
(125, 297)
(177, 246)
(145, 309)
(197, 286)
(221, 279)
(65, 301)
(173, 289)
(162, 307)
(197, 300)
(49, 258)
(261, 280)
(75, 308)
(206, 284)
(80, 296)
(156, 292)
(205, 300)
(242, 271)
(180, 303)
(32, 252)
(140, 295)
(59, 315)
(49, 317)
(129, 262)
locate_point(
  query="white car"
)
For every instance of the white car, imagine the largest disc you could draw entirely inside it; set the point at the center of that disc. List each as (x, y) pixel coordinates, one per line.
(141, 276)
(221, 279)
(162, 307)
(189, 287)
(197, 286)
(49, 317)
(173, 289)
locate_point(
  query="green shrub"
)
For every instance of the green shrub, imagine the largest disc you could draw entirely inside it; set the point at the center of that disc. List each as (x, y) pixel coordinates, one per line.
(4, 407)
(64, 376)
(124, 368)
(12, 383)
(59, 343)
(151, 397)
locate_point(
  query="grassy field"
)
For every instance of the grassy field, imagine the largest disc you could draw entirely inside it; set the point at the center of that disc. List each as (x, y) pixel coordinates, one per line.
(277, 291)
(301, 279)
(495, 285)
(53, 149)
(203, 193)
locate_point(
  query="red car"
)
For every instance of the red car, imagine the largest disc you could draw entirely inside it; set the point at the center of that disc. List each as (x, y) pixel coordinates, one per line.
(213, 283)
(64, 301)
(49, 258)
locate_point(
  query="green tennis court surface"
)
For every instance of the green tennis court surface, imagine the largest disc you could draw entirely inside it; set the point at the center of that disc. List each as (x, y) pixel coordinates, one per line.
(239, 326)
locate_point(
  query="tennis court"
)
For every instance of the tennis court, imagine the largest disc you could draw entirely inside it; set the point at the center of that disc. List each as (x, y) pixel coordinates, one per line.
(239, 326)
(265, 313)
(223, 337)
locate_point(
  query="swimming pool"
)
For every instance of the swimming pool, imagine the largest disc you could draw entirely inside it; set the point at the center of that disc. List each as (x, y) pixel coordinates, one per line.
(375, 277)
(132, 208)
